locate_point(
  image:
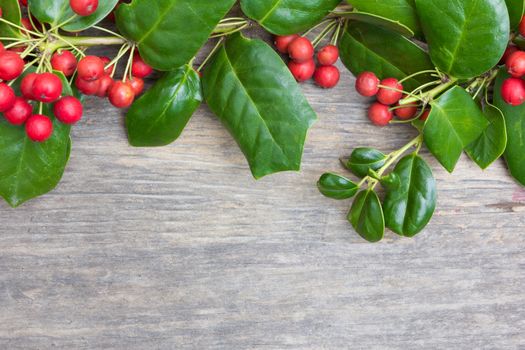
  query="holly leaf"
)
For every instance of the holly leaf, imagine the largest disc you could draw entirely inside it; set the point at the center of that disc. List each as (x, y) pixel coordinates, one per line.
(161, 114)
(336, 187)
(364, 159)
(516, 9)
(11, 13)
(253, 93)
(366, 216)
(170, 32)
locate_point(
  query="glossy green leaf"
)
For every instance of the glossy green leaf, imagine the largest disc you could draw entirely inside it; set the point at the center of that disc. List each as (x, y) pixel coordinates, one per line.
(365, 47)
(491, 144)
(454, 122)
(402, 11)
(515, 121)
(409, 206)
(284, 17)
(336, 187)
(170, 32)
(365, 159)
(11, 13)
(516, 9)
(466, 37)
(253, 93)
(379, 21)
(366, 216)
(161, 114)
(56, 12)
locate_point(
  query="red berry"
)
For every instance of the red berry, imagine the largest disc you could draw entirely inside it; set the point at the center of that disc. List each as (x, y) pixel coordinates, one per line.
(26, 87)
(87, 87)
(513, 91)
(26, 23)
(19, 113)
(83, 7)
(516, 64)
(109, 70)
(7, 97)
(137, 85)
(23, 2)
(327, 76)
(367, 84)
(406, 112)
(508, 51)
(64, 62)
(68, 110)
(390, 92)
(425, 115)
(301, 50)
(283, 41)
(47, 87)
(328, 55)
(121, 95)
(302, 71)
(90, 68)
(2, 48)
(522, 26)
(380, 114)
(39, 128)
(139, 68)
(11, 65)
(104, 84)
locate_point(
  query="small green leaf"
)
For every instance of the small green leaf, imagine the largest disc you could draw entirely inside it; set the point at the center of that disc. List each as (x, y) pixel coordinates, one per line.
(454, 122)
(410, 205)
(161, 114)
(366, 216)
(365, 159)
(516, 9)
(336, 187)
(11, 13)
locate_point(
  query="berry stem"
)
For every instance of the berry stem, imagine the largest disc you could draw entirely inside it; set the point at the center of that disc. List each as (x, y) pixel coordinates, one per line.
(21, 28)
(430, 95)
(429, 71)
(210, 55)
(102, 29)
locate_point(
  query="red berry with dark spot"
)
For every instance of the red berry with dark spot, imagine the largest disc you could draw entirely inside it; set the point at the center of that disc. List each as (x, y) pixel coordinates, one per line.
(327, 76)
(84, 7)
(64, 62)
(47, 87)
(11, 65)
(302, 71)
(90, 68)
(328, 55)
(68, 110)
(380, 114)
(87, 87)
(516, 64)
(513, 91)
(19, 113)
(390, 91)
(39, 128)
(301, 50)
(7, 97)
(367, 84)
(121, 94)
(283, 41)
(139, 68)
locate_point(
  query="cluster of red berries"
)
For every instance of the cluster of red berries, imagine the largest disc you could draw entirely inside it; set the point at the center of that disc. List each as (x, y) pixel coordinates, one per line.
(302, 63)
(388, 93)
(513, 89)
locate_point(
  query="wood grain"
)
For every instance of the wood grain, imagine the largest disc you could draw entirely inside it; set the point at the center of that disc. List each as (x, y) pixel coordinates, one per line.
(179, 248)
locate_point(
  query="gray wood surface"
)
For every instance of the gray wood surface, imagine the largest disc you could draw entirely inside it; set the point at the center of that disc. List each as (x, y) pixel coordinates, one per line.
(179, 248)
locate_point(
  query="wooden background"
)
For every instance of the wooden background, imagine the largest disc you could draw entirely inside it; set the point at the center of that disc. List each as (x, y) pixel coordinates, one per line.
(179, 248)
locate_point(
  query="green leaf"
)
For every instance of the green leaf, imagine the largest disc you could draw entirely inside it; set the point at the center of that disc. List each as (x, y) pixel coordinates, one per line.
(516, 9)
(170, 32)
(454, 122)
(365, 47)
(366, 216)
(160, 115)
(491, 144)
(11, 13)
(285, 17)
(253, 93)
(410, 206)
(402, 11)
(466, 37)
(379, 21)
(364, 159)
(515, 121)
(336, 187)
(56, 12)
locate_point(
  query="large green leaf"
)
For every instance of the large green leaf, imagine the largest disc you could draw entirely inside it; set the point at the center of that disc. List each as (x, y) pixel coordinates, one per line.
(56, 12)
(454, 122)
(336, 187)
(376, 20)
(516, 9)
(251, 90)
(466, 37)
(491, 144)
(515, 120)
(287, 16)
(366, 216)
(403, 11)
(410, 205)
(11, 13)
(365, 47)
(160, 115)
(170, 32)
